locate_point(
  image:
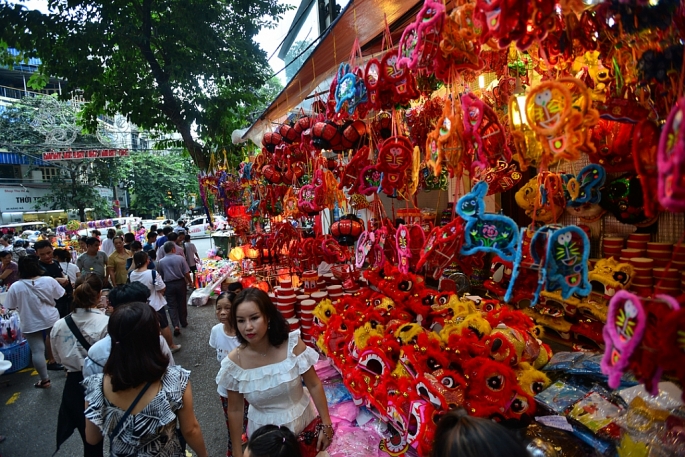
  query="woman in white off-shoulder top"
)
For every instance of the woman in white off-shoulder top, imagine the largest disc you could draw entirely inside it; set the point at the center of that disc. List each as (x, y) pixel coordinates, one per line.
(267, 370)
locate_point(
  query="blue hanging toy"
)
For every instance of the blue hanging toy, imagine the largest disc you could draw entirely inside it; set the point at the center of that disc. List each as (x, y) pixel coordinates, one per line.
(486, 232)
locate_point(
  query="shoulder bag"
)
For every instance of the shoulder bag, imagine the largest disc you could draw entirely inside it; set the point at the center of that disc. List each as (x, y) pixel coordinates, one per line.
(117, 429)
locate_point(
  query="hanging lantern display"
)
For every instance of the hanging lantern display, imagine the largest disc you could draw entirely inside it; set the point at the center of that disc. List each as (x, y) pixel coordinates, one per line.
(347, 229)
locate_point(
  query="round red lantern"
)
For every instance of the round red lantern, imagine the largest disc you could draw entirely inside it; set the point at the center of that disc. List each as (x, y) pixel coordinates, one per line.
(347, 229)
(288, 133)
(302, 124)
(270, 140)
(271, 174)
(324, 135)
(353, 134)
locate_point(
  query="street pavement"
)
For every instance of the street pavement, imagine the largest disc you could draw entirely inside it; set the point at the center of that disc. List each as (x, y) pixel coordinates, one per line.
(28, 416)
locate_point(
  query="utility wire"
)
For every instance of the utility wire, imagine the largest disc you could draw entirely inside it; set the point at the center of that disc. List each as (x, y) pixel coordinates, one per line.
(292, 26)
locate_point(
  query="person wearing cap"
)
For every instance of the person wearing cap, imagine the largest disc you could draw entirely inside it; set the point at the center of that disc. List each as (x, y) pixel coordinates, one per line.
(18, 250)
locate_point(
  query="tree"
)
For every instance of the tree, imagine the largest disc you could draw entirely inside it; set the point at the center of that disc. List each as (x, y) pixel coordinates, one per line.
(158, 181)
(297, 54)
(75, 187)
(163, 64)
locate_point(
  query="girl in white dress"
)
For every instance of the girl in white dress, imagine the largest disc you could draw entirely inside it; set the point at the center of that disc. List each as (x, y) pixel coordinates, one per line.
(267, 370)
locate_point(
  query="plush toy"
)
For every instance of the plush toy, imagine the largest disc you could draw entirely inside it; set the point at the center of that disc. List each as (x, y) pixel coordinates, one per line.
(566, 260)
(470, 324)
(672, 348)
(623, 333)
(583, 192)
(432, 390)
(645, 157)
(420, 39)
(643, 364)
(671, 161)
(486, 232)
(442, 246)
(623, 197)
(609, 276)
(423, 355)
(491, 388)
(425, 417)
(542, 198)
(532, 381)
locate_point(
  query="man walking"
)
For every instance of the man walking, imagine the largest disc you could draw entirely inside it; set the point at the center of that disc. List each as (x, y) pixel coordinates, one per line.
(176, 275)
(116, 263)
(93, 260)
(191, 256)
(52, 268)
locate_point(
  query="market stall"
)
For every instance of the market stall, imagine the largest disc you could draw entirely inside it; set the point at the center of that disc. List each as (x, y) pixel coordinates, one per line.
(482, 181)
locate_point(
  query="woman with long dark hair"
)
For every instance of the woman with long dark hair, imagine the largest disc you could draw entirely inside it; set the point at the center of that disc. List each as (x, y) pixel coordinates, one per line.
(267, 370)
(139, 397)
(71, 338)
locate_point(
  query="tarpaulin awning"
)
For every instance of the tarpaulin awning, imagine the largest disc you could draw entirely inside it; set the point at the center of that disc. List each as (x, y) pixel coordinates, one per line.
(363, 19)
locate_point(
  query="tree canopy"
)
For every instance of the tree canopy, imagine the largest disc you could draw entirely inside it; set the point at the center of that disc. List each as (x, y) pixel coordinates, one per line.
(170, 65)
(159, 181)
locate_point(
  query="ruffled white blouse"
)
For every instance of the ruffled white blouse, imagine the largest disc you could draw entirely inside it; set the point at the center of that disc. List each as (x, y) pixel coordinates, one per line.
(275, 392)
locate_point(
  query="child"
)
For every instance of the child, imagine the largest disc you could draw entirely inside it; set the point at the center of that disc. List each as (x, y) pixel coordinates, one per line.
(272, 441)
(223, 339)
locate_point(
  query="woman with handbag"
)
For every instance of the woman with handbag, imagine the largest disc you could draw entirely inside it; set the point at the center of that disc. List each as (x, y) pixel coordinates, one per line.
(267, 370)
(139, 397)
(153, 281)
(33, 296)
(71, 338)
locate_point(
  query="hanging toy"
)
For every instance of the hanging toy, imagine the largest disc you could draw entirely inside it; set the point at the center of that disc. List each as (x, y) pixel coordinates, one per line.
(542, 198)
(484, 135)
(623, 197)
(486, 232)
(645, 151)
(626, 322)
(583, 192)
(394, 157)
(565, 265)
(402, 240)
(420, 39)
(671, 161)
(529, 151)
(561, 119)
(446, 138)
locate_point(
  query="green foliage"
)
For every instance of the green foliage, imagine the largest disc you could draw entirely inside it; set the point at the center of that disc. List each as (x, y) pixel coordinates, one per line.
(16, 132)
(151, 178)
(76, 189)
(166, 65)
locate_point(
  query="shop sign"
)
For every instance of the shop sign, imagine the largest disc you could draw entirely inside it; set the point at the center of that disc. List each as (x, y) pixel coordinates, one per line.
(22, 199)
(88, 154)
(105, 192)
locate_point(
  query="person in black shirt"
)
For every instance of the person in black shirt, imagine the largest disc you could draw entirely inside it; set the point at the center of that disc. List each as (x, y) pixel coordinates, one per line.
(52, 268)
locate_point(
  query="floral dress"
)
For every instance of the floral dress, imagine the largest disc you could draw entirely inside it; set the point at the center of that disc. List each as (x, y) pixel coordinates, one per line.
(152, 431)
(275, 392)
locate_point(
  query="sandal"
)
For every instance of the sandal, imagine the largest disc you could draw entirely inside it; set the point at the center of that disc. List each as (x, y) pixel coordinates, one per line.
(42, 384)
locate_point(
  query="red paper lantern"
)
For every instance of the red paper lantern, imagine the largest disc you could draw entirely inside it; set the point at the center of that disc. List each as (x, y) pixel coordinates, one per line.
(353, 134)
(270, 140)
(347, 229)
(288, 133)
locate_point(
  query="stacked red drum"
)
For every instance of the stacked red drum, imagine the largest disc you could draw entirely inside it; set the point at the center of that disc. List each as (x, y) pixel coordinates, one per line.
(285, 302)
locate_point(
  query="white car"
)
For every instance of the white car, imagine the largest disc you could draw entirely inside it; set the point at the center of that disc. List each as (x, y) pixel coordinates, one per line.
(199, 227)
